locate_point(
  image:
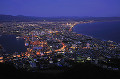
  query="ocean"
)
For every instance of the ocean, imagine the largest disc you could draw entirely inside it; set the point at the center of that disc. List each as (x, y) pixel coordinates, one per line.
(101, 30)
(11, 44)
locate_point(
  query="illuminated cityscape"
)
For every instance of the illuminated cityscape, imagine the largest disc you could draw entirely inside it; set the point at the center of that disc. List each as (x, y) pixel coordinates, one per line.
(60, 39)
(51, 44)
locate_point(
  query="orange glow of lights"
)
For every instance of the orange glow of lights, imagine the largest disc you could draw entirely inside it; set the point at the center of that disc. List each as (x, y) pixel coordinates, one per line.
(18, 56)
(27, 54)
(22, 54)
(61, 48)
(48, 51)
(1, 61)
(85, 47)
(1, 57)
(35, 35)
(14, 55)
(38, 53)
(30, 50)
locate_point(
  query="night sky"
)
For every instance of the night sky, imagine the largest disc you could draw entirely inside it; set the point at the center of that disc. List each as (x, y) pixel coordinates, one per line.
(97, 8)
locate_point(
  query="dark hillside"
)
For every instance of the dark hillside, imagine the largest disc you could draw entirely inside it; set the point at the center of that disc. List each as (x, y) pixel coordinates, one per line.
(81, 71)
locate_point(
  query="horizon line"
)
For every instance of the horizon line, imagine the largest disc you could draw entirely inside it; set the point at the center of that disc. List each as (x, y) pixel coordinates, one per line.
(57, 16)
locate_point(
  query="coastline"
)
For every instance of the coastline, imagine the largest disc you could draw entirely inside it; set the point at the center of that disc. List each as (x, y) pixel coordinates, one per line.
(92, 35)
(16, 41)
(94, 22)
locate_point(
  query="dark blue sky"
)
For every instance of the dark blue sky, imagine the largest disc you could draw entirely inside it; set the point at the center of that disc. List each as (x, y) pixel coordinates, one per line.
(97, 8)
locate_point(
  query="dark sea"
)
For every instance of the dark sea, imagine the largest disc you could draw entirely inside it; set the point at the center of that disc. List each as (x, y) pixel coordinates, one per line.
(101, 30)
(11, 44)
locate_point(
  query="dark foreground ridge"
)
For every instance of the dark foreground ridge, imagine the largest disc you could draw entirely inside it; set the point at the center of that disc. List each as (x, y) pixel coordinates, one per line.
(81, 71)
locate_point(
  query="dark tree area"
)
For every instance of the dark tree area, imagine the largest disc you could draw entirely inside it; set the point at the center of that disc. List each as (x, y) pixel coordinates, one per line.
(81, 71)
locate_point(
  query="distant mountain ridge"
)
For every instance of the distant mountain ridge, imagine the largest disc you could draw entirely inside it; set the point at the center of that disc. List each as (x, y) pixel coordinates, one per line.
(9, 18)
(22, 18)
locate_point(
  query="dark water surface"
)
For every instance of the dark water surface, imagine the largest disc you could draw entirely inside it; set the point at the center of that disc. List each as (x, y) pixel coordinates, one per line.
(100, 30)
(11, 44)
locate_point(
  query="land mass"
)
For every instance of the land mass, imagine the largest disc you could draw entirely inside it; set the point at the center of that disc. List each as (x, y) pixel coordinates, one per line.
(54, 50)
(21, 18)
